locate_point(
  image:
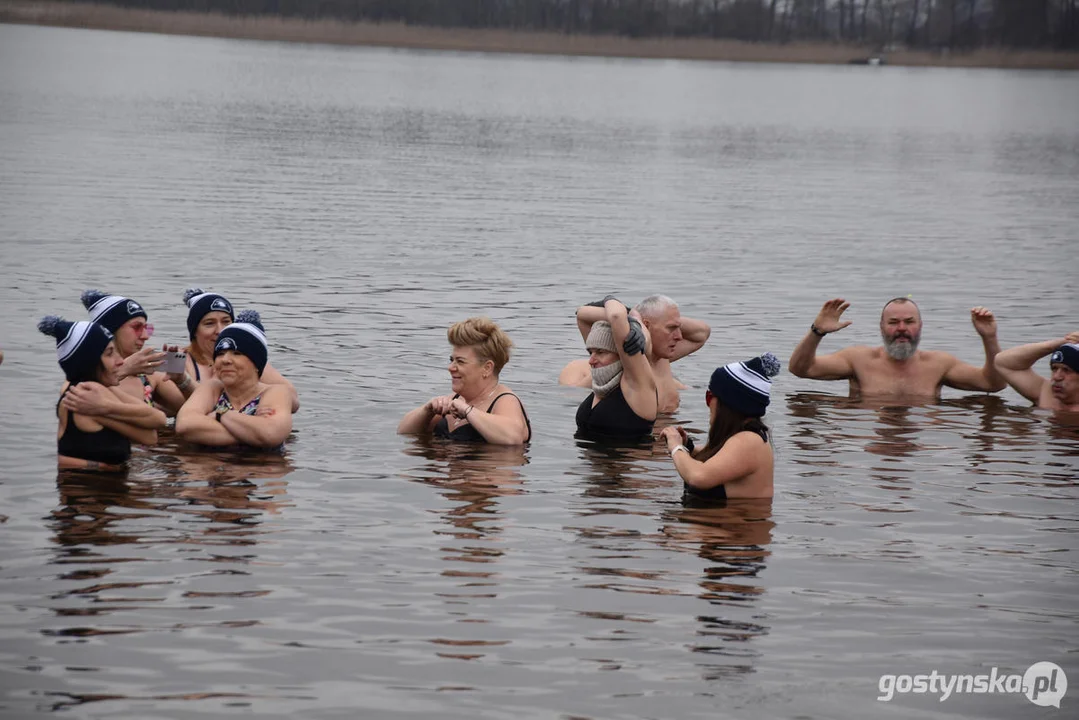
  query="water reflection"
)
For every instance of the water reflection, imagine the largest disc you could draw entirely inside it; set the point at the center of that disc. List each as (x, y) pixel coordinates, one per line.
(106, 524)
(733, 539)
(471, 477)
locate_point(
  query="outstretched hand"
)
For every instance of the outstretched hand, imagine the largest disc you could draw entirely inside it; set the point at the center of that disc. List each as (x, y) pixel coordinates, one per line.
(828, 319)
(984, 322)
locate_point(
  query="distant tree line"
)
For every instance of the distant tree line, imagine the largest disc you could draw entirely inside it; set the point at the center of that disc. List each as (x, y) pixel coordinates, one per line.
(928, 24)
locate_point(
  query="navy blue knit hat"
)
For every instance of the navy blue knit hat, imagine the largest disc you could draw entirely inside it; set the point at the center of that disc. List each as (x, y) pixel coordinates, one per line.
(200, 304)
(745, 386)
(111, 311)
(79, 346)
(247, 337)
(1067, 354)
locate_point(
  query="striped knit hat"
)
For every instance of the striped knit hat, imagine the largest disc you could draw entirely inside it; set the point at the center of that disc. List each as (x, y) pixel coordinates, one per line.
(745, 386)
(79, 346)
(110, 311)
(200, 304)
(247, 337)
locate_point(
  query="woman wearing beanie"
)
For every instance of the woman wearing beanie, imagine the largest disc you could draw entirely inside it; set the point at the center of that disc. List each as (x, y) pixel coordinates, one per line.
(737, 462)
(624, 399)
(235, 407)
(476, 411)
(98, 421)
(128, 323)
(209, 313)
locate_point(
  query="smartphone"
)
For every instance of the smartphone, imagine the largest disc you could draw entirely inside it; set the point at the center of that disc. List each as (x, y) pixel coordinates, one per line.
(174, 362)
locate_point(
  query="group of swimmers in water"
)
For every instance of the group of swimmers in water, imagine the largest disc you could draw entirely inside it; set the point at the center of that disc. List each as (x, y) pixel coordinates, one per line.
(229, 395)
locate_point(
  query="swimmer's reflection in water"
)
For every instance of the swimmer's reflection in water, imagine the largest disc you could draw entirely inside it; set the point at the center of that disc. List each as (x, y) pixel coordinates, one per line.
(227, 491)
(472, 476)
(732, 537)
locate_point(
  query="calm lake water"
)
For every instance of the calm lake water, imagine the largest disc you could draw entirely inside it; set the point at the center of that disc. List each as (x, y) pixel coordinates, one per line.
(363, 200)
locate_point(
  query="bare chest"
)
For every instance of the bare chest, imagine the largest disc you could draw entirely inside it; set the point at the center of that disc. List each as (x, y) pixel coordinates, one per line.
(917, 378)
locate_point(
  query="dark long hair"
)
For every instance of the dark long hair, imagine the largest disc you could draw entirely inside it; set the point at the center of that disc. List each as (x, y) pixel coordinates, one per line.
(727, 424)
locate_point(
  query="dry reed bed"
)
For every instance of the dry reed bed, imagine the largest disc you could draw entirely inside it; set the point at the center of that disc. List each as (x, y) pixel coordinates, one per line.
(107, 17)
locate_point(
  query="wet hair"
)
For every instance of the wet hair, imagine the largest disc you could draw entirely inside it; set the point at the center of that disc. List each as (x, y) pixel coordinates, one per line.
(653, 305)
(485, 337)
(901, 301)
(728, 423)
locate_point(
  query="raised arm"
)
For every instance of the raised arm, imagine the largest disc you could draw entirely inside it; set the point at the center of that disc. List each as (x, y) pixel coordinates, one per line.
(1016, 365)
(986, 378)
(805, 362)
(269, 426)
(196, 422)
(695, 334)
(638, 382)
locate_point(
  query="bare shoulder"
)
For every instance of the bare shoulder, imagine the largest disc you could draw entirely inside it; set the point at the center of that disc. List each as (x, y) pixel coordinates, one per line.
(938, 358)
(860, 353)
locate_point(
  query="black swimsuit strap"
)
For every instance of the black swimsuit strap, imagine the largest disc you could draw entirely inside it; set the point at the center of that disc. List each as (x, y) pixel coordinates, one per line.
(528, 422)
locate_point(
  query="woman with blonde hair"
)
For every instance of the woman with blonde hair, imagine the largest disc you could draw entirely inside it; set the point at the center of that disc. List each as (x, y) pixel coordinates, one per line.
(473, 412)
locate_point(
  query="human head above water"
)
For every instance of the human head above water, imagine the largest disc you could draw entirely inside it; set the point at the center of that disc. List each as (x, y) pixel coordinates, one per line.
(200, 304)
(121, 316)
(663, 320)
(901, 327)
(81, 349)
(247, 337)
(485, 338)
(745, 386)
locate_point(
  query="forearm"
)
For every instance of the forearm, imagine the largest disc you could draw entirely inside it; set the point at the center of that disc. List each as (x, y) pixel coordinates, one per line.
(1024, 356)
(257, 430)
(204, 431)
(134, 433)
(688, 468)
(695, 331)
(994, 379)
(416, 421)
(137, 414)
(804, 354)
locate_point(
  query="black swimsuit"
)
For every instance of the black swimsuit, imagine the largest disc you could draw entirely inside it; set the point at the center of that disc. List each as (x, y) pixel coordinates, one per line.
(719, 492)
(467, 433)
(612, 418)
(103, 446)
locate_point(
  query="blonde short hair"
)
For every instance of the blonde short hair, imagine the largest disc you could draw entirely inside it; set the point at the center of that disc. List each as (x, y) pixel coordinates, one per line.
(485, 337)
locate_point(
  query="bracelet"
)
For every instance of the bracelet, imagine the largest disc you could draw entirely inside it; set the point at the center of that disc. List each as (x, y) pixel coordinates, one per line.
(677, 448)
(818, 333)
(219, 413)
(468, 411)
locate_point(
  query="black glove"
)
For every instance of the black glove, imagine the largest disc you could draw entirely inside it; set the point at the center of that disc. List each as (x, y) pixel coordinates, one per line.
(634, 342)
(603, 302)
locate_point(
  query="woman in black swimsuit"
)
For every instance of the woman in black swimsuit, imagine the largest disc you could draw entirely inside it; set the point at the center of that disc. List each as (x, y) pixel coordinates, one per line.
(624, 399)
(236, 407)
(98, 421)
(737, 462)
(481, 408)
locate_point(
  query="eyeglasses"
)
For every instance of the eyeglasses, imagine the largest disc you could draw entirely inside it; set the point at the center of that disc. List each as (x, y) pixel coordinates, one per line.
(140, 328)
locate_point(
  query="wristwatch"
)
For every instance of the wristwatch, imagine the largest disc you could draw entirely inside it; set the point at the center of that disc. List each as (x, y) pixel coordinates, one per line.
(219, 413)
(818, 333)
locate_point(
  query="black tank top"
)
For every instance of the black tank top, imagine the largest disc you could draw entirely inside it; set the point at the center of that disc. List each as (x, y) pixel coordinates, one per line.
(467, 433)
(719, 492)
(611, 418)
(104, 446)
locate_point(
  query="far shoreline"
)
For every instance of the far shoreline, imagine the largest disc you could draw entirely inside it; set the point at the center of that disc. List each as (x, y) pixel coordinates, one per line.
(274, 28)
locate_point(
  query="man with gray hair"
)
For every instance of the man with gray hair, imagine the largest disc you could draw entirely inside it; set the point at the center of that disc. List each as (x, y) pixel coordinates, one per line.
(898, 369)
(671, 337)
